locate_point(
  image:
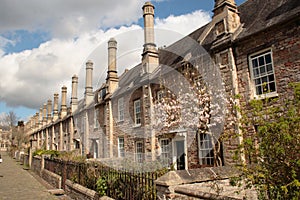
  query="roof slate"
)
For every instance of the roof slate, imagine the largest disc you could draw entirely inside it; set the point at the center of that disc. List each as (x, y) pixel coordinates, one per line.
(257, 15)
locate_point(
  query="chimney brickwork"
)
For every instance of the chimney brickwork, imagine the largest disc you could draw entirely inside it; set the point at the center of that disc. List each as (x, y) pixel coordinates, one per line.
(226, 16)
(49, 111)
(112, 76)
(150, 54)
(55, 107)
(63, 107)
(74, 98)
(89, 96)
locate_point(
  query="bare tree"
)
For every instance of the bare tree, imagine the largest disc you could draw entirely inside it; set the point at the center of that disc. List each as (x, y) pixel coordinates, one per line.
(11, 118)
(8, 120)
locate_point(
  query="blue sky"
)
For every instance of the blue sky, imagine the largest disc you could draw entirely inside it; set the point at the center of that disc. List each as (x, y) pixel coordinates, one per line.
(43, 44)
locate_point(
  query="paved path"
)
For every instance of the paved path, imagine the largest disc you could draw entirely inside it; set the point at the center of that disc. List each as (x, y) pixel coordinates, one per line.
(17, 183)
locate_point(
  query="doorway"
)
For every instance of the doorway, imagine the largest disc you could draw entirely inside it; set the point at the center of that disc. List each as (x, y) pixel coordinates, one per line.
(179, 153)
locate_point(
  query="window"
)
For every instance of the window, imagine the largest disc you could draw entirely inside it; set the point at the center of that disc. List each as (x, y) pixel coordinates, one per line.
(121, 109)
(262, 73)
(165, 151)
(137, 112)
(206, 151)
(96, 123)
(121, 151)
(139, 152)
(160, 95)
(220, 28)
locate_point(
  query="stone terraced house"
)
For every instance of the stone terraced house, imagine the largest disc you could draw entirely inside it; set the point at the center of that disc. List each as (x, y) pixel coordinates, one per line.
(175, 104)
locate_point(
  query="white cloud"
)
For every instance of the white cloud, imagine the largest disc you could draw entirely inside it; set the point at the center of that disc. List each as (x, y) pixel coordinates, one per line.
(68, 17)
(184, 24)
(31, 77)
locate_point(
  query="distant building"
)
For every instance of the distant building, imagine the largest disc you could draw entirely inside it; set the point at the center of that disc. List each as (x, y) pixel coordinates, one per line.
(5, 138)
(252, 50)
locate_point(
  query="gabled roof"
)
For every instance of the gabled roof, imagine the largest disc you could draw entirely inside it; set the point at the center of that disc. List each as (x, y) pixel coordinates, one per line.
(257, 15)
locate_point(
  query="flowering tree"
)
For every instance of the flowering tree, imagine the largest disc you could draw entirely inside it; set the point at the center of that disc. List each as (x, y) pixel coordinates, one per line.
(185, 104)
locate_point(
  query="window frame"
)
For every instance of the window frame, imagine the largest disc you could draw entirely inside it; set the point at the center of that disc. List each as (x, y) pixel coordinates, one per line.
(137, 115)
(166, 155)
(96, 122)
(267, 74)
(121, 149)
(207, 149)
(159, 95)
(139, 155)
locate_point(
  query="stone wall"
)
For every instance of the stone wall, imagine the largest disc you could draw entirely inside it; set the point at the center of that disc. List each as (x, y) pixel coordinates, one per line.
(78, 192)
(36, 164)
(284, 41)
(51, 178)
(204, 183)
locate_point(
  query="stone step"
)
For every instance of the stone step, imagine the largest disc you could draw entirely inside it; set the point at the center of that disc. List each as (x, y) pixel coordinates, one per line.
(56, 192)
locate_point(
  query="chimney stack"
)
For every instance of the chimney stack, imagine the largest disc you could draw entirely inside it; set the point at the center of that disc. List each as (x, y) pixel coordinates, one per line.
(44, 114)
(89, 97)
(49, 109)
(74, 99)
(41, 118)
(63, 106)
(150, 53)
(112, 75)
(55, 107)
(36, 118)
(226, 17)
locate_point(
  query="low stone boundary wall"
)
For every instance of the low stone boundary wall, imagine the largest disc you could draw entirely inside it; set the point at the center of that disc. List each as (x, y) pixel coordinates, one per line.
(73, 190)
(78, 192)
(36, 164)
(203, 183)
(51, 178)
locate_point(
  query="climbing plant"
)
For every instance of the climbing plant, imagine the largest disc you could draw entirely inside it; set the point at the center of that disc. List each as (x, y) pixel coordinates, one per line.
(271, 146)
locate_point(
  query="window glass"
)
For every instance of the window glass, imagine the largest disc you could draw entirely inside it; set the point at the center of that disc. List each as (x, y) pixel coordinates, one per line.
(165, 151)
(121, 149)
(137, 112)
(262, 71)
(206, 152)
(139, 152)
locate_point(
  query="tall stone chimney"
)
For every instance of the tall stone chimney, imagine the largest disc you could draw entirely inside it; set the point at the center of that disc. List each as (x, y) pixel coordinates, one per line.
(55, 107)
(49, 110)
(63, 106)
(41, 118)
(226, 16)
(44, 114)
(36, 118)
(88, 95)
(74, 98)
(112, 75)
(150, 53)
